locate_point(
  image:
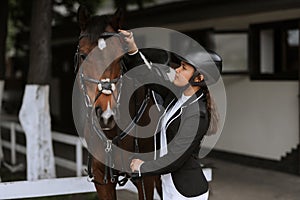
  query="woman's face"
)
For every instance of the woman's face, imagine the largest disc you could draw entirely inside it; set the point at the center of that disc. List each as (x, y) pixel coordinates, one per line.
(183, 74)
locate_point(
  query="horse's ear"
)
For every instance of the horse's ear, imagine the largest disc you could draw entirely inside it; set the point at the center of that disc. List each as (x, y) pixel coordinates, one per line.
(117, 20)
(83, 16)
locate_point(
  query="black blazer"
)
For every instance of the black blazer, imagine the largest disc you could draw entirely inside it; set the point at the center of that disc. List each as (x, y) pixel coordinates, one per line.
(185, 130)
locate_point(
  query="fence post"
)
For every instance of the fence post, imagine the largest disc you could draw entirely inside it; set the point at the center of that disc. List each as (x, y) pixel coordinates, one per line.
(1, 95)
(78, 158)
(13, 143)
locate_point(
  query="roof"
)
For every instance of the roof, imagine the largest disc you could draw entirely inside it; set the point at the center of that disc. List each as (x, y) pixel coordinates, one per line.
(195, 10)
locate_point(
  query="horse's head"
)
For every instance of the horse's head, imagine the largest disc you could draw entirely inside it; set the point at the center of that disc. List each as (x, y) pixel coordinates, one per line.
(93, 29)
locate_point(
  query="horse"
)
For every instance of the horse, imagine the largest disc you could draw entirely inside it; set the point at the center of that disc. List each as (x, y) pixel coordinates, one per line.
(102, 166)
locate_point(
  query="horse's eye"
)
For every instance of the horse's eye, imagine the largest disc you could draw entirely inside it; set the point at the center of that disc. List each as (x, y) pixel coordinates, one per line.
(83, 56)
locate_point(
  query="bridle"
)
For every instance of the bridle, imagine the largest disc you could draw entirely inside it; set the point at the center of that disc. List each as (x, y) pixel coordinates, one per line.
(108, 87)
(105, 86)
(82, 56)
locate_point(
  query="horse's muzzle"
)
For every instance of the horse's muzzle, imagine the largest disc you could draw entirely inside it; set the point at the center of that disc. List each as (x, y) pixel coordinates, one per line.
(105, 118)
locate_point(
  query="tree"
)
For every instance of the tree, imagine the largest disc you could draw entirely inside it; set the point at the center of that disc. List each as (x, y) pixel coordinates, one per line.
(34, 114)
(3, 33)
(40, 43)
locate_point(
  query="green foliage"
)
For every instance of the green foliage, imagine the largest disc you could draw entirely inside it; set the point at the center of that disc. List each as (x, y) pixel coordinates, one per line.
(20, 10)
(64, 12)
(19, 13)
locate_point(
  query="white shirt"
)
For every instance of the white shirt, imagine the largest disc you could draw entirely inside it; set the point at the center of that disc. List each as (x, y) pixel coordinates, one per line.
(164, 123)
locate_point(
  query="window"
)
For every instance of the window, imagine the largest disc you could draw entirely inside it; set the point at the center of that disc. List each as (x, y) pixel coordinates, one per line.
(274, 50)
(233, 48)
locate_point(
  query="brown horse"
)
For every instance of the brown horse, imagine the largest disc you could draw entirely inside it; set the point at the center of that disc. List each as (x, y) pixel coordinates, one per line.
(107, 164)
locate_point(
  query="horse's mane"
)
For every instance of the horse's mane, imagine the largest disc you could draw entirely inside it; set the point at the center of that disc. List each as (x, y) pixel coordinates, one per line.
(94, 26)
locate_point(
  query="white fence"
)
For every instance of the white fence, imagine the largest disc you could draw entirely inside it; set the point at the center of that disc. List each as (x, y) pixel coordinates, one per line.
(57, 186)
(45, 187)
(56, 136)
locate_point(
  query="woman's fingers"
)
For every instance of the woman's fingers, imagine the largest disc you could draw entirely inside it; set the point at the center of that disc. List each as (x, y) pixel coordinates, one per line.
(126, 33)
(128, 37)
(136, 164)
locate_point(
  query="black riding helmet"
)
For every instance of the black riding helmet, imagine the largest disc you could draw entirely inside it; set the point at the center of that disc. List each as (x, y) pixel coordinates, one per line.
(206, 62)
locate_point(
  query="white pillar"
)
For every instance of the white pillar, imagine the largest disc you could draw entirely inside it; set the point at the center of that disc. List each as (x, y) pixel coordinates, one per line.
(35, 120)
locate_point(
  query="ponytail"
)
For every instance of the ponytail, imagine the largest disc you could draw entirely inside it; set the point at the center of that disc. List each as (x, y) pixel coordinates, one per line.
(212, 113)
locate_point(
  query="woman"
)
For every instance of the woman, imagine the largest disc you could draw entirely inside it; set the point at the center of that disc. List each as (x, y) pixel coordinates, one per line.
(184, 123)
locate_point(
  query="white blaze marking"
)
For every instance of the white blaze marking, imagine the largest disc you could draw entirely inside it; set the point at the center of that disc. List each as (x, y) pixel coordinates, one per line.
(107, 114)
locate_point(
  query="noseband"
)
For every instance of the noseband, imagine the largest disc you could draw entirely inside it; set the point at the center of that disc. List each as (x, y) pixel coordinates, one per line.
(107, 85)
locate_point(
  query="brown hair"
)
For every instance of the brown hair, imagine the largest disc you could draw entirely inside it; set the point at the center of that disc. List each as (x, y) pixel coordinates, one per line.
(213, 113)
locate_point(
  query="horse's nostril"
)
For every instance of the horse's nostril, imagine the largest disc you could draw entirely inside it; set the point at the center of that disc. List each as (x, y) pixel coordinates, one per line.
(98, 111)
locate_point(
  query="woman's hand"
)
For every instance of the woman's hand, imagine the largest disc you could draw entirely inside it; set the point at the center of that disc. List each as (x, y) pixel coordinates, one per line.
(136, 164)
(128, 36)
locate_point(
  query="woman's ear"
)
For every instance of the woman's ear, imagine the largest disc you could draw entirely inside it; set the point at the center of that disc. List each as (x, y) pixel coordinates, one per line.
(199, 78)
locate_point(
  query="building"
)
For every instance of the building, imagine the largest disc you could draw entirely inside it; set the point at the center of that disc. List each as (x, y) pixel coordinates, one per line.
(259, 43)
